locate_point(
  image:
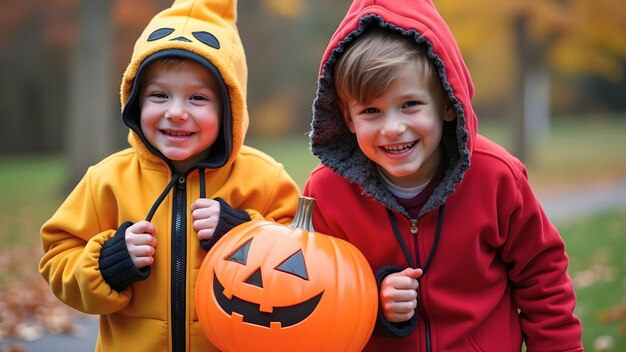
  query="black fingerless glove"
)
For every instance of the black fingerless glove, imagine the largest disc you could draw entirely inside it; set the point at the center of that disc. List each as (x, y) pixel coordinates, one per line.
(117, 269)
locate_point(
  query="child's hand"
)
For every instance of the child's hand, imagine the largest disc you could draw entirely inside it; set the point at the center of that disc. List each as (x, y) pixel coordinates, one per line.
(204, 215)
(141, 243)
(398, 295)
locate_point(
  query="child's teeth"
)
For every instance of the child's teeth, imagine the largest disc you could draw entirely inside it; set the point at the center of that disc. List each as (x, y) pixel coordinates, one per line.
(399, 147)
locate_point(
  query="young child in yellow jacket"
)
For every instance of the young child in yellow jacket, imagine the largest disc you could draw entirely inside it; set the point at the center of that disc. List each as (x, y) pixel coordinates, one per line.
(128, 241)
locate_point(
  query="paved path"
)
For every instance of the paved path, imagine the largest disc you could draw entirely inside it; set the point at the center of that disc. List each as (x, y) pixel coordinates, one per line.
(583, 202)
(84, 342)
(559, 207)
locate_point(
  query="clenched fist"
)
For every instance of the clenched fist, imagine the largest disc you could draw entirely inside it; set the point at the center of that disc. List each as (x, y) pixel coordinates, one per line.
(204, 215)
(141, 243)
(398, 295)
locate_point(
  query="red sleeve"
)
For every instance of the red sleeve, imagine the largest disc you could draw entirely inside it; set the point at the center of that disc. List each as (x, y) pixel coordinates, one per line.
(535, 254)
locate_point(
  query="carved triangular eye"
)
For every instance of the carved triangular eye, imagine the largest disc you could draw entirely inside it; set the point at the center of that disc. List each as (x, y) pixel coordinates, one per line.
(241, 254)
(294, 265)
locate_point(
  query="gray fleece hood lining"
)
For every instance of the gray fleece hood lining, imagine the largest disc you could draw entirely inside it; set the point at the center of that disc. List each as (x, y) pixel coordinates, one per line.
(337, 147)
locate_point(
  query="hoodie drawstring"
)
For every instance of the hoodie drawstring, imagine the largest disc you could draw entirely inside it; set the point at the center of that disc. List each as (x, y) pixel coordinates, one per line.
(405, 250)
(429, 260)
(168, 188)
(162, 196)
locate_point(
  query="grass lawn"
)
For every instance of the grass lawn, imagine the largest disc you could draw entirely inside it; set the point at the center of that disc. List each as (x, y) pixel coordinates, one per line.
(596, 248)
(31, 190)
(577, 153)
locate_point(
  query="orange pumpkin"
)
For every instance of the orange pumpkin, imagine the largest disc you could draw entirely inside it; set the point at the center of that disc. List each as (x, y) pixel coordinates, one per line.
(270, 287)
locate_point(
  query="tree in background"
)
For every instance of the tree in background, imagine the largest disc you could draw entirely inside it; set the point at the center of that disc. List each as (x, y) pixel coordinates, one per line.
(541, 40)
(514, 47)
(284, 42)
(89, 126)
(33, 46)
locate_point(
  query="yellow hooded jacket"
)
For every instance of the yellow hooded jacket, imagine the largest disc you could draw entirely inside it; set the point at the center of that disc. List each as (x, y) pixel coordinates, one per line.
(86, 261)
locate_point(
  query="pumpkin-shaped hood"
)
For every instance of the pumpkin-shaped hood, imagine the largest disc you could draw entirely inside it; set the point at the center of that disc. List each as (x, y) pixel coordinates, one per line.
(337, 147)
(204, 31)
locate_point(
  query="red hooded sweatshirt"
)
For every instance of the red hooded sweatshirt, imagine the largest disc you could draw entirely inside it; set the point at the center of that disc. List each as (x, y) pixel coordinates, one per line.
(494, 266)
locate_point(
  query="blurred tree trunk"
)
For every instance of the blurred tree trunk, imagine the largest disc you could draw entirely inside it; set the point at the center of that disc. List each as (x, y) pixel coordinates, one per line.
(89, 128)
(518, 130)
(530, 120)
(22, 95)
(537, 102)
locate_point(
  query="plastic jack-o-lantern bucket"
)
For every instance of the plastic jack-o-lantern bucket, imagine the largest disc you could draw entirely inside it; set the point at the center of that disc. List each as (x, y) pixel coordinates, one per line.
(270, 287)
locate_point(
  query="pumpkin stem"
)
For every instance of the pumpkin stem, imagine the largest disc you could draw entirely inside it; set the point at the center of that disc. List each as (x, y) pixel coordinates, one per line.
(304, 214)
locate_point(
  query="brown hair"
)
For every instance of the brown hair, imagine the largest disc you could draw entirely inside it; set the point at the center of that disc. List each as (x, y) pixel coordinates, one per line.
(173, 62)
(376, 59)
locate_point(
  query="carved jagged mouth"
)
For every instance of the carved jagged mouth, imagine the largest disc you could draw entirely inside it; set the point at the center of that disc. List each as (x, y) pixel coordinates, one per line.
(286, 316)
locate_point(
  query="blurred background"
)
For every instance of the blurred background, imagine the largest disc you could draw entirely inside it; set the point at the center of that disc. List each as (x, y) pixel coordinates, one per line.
(550, 87)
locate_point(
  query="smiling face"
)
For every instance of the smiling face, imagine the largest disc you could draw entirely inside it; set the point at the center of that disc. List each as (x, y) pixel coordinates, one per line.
(400, 129)
(180, 110)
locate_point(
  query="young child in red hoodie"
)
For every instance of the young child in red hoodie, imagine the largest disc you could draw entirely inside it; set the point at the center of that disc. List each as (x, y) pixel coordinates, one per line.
(465, 257)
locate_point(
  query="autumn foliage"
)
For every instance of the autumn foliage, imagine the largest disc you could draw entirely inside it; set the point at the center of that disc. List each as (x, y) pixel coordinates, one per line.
(571, 37)
(28, 309)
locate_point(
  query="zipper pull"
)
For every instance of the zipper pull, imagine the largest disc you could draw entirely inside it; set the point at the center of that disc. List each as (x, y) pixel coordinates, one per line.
(181, 183)
(414, 226)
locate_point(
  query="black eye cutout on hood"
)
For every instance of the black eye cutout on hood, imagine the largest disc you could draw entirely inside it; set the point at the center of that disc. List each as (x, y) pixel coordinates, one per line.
(207, 38)
(202, 36)
(160, 33)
